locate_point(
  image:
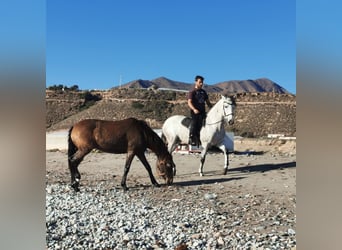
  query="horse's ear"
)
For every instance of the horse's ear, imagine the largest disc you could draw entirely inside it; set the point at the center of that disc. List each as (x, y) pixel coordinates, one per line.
(233, 96)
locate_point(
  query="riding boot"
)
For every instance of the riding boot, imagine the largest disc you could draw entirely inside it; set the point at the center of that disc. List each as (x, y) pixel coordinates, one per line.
(198, 141)
(194, 138)
(192, 133)
(200, 124)
(193, 141)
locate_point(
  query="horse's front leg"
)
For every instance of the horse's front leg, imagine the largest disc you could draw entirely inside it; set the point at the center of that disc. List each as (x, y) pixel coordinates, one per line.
(142, 158)
(128, 163)
(203, 155)
(226, 158)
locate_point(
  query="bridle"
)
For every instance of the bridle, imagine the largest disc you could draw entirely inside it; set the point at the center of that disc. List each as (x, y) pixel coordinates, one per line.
(224, 110)
(224, 114)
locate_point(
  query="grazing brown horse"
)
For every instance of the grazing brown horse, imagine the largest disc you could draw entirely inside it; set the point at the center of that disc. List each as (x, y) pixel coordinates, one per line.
(129, 136)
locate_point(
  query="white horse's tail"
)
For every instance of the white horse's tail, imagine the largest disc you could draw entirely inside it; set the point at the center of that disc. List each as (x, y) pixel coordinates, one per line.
(164, 138)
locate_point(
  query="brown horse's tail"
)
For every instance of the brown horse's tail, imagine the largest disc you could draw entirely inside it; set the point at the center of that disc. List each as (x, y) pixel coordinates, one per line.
(71, 146)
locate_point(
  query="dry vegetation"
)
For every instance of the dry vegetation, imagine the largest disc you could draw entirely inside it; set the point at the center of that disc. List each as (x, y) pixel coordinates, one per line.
(257, 114)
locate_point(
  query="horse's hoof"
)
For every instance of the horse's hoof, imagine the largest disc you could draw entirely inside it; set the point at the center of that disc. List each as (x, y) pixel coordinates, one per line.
(201, 174)
(75, 186)
(157, 185)
(225, 171)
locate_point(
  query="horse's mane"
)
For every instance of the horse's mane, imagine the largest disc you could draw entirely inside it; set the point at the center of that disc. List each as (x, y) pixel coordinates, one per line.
(232, 98)
(214, 108)
(154, 142)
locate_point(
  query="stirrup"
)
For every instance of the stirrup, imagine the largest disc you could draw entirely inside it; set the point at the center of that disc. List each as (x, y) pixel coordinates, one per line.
(192, 142)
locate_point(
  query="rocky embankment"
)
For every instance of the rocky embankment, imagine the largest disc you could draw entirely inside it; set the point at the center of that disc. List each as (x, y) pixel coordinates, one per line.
(257, 114)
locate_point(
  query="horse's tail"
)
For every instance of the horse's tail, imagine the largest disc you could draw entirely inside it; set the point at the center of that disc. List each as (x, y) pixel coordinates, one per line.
(163, 137)
(71, 146)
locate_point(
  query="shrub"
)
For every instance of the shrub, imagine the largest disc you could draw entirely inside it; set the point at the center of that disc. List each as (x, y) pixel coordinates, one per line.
(137, 105)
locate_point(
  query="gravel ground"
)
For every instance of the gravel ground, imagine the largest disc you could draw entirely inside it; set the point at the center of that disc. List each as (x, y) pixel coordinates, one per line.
(148, 218)
(253, 207)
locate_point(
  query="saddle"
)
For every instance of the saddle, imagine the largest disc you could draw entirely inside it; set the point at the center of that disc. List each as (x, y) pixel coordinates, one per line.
(186, 122)
(194, 140)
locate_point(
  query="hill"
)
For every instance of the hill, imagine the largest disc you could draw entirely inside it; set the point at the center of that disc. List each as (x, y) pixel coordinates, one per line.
(251, 86)
(227, 87)
(257, 114)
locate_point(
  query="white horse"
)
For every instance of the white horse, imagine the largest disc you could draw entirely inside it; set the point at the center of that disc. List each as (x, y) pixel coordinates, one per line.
(175, 130)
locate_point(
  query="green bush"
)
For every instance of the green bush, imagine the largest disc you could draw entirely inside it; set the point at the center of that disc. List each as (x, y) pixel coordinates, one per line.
(137, 105)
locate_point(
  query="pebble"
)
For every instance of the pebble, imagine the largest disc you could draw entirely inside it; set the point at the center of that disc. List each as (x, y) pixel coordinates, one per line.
(210, 196)
(103, 218)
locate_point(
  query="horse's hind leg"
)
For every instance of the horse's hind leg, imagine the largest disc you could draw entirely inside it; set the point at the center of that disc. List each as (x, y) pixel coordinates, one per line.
(74, 161)
(75, 175)
(172, 147)
(172, 144)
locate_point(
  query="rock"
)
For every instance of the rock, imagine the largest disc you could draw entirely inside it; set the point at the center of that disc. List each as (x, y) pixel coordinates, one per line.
(210, 196)
(220, 241)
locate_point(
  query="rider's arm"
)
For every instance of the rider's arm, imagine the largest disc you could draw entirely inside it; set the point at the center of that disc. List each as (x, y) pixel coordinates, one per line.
(192, 107)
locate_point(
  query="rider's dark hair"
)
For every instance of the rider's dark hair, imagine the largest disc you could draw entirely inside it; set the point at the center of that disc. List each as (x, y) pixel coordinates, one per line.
(199, 77)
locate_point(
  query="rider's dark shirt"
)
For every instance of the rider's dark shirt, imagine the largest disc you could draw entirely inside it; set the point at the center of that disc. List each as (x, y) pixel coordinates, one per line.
(198, 98)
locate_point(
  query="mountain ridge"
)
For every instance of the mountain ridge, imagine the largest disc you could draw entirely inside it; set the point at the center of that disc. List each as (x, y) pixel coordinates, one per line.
(259, 85)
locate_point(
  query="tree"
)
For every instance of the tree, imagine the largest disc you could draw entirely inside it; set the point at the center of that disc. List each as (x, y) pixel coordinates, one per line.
(74, 88)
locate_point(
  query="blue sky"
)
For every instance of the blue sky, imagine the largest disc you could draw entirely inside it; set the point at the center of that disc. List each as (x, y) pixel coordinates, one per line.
(93, 43)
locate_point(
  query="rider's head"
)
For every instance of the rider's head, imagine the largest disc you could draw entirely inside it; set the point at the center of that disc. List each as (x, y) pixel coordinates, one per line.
(199, 82)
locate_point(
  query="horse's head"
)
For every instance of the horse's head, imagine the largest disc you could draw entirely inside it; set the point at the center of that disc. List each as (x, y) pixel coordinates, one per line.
(166, 168)
(228, 103)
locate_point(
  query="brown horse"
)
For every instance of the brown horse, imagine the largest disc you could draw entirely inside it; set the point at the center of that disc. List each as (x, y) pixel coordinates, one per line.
(129, 136)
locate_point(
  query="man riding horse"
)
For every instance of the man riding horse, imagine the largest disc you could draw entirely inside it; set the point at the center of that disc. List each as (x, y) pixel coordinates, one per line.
(197, 97)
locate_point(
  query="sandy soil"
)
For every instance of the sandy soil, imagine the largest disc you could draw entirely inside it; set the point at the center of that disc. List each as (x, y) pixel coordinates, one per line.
(258, 166)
